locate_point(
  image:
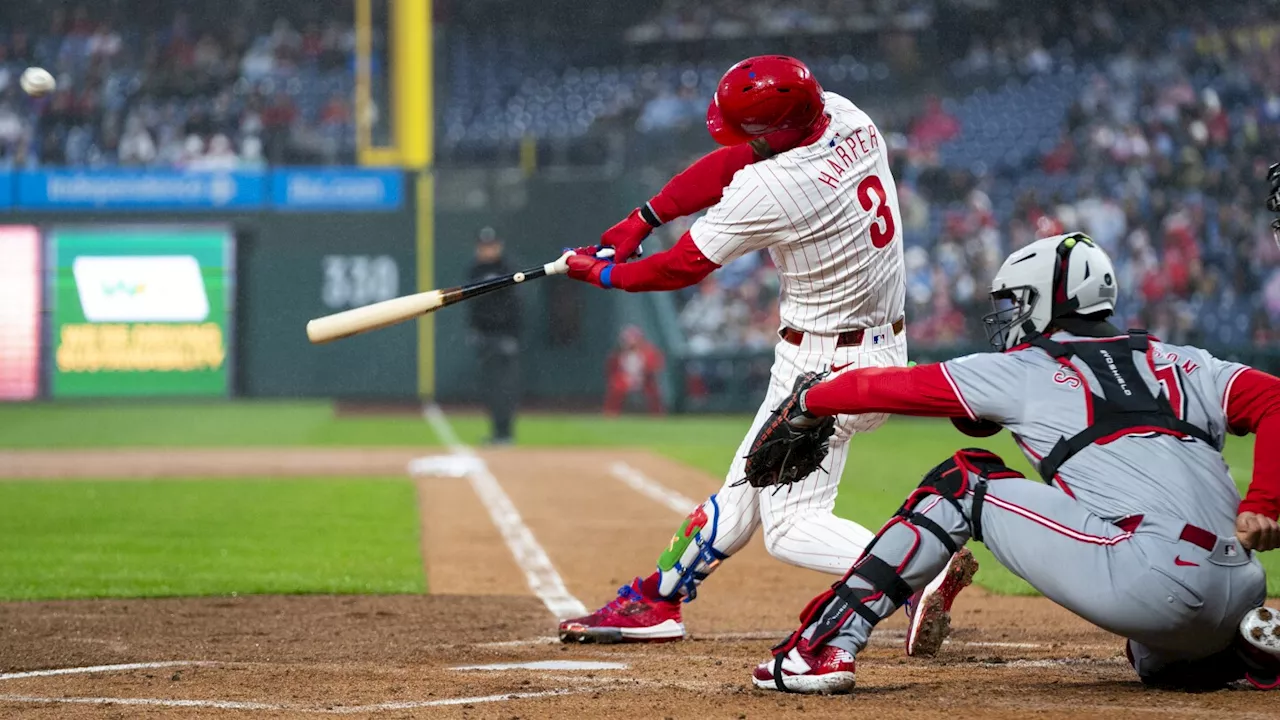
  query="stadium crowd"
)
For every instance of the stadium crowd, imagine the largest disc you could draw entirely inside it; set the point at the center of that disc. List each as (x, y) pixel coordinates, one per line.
(1173, 114)
(1161, 158)
(139, 87)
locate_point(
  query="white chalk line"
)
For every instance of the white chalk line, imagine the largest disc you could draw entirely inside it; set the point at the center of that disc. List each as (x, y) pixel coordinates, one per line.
(155, 702)
(103, 669)
(652, 489)
(411, 704)
(541, 575)
(238, 705)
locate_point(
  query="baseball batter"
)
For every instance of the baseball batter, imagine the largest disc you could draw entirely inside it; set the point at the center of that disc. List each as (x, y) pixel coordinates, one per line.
(1137, 526)
(805, 175)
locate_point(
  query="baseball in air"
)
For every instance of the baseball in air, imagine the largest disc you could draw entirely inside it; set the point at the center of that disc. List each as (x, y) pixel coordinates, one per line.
(37, 81)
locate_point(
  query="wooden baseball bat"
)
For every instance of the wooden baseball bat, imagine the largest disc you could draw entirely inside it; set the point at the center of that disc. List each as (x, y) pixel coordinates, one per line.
(397, 310)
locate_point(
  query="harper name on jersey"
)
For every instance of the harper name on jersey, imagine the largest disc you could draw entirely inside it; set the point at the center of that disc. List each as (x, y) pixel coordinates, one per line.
(827, 212)
(847, 151)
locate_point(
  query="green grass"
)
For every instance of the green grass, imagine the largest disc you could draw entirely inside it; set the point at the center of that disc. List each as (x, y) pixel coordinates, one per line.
(883, 467)
(57, 425)
(69, 539)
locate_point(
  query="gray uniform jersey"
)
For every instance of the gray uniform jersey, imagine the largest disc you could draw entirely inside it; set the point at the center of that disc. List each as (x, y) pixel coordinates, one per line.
(1174, 581)
(1040, 401)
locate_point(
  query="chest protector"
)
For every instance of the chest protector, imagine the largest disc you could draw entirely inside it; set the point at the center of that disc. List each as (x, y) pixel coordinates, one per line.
(1121, 404)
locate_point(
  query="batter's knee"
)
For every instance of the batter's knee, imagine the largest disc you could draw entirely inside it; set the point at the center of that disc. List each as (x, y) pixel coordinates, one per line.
(817, 540)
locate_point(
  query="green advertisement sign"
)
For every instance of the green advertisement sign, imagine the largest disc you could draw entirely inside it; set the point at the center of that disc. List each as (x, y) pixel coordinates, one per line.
(140, 311)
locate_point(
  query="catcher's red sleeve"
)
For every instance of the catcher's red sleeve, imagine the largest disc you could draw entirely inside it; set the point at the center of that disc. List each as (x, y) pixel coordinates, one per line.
(920, 390)
(1253, 405)
(702, 184)
(681, 266)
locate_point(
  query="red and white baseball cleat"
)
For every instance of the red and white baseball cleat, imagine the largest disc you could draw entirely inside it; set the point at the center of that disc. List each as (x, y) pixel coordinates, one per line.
(825, 671)
(930, 609)
(630, 617)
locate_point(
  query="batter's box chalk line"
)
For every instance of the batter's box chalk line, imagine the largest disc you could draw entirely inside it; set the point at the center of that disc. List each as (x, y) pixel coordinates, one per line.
(123, 667)
(547, 665)
(271, 707)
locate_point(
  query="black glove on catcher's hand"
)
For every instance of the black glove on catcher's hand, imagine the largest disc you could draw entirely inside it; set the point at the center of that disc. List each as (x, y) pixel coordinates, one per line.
(792, 444)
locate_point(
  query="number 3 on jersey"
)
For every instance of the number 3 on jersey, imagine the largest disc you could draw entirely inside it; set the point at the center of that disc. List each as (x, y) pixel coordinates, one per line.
(871, 196)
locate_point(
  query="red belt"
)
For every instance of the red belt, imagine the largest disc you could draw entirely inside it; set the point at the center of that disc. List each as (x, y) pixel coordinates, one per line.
(1195, 535)
(844, 339)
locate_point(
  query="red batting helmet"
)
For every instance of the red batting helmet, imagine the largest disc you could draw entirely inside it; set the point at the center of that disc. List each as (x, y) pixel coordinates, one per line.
(761, 95)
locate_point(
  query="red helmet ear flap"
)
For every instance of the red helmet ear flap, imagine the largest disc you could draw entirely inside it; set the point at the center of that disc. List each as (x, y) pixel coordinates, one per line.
(722, 131)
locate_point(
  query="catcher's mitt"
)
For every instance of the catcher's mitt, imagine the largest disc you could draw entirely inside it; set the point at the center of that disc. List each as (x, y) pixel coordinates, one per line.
(792, 444)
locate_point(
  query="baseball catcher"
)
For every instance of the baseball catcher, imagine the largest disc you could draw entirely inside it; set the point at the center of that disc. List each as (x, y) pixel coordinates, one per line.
(1135, 524)
(803, 174)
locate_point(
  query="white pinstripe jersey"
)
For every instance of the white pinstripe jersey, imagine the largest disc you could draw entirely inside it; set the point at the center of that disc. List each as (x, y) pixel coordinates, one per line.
(828, 214)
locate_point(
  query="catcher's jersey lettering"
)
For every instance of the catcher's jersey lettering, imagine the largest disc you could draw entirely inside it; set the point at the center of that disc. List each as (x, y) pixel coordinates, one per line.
(1041, 402)
(828, 214)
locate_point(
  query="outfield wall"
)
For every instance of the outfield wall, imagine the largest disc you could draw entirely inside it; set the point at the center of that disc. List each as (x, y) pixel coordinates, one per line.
(297, 245)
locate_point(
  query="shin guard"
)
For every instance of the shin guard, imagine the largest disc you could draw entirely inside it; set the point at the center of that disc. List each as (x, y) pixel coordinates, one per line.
(909, 551)
(692, 555)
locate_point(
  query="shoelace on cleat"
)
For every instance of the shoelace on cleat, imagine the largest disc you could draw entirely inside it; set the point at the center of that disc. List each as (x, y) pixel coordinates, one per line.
(626, 594)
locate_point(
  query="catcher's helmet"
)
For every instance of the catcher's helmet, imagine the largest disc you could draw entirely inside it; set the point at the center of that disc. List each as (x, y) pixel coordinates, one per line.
(1057, 277)
(761, 95)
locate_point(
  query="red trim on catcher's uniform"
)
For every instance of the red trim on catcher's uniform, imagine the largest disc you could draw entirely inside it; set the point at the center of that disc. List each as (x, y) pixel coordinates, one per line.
(1226, 394)
(1057, 478)
(1140, 430)
(956, 389)
(1056, 526)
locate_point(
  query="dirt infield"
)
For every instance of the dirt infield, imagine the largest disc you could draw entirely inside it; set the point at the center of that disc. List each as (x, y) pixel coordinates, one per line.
(398, 656)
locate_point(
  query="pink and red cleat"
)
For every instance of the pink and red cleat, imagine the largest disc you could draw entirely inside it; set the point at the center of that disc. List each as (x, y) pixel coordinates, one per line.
(930, 609)
(827, 670)
(633, 616)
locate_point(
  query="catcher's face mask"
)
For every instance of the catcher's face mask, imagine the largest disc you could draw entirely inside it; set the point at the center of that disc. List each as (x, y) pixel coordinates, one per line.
(1013, 308)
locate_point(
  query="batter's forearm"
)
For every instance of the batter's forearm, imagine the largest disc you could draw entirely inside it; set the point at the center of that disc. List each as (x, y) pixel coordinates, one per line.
(680, 267)
(922, 390)
(702, 184)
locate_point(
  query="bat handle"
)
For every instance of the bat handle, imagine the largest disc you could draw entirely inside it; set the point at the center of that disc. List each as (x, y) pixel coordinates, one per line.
(560, 266)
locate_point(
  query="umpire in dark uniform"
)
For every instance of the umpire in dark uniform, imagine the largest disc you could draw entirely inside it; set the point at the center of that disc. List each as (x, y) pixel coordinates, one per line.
(495, 334)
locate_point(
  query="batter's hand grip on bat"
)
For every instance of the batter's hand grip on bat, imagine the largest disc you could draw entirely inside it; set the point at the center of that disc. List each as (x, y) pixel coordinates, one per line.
(372, 317)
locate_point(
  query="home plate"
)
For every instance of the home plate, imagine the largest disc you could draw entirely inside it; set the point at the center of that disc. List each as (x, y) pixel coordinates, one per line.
(445, 465)
(547, 665)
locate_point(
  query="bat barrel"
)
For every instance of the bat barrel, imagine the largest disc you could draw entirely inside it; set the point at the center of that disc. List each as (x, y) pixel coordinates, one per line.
(372, 317)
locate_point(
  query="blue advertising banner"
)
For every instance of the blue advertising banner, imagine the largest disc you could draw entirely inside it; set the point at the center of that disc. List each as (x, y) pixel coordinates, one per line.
(337, 189)
(139, 190)
(6, 190)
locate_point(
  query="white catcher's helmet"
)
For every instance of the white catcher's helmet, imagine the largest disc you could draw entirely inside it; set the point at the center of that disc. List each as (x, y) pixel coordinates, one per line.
(1061, 276)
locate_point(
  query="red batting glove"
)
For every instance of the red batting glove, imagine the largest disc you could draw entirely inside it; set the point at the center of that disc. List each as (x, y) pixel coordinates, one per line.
(626, 236)
(587, 268)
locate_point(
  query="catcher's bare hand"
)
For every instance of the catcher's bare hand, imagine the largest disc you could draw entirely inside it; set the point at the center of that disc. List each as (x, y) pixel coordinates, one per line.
(1257, 532)
(792, 444)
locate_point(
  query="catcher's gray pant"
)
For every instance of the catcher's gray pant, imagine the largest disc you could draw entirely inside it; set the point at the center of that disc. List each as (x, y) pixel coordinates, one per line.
(1174, 599)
